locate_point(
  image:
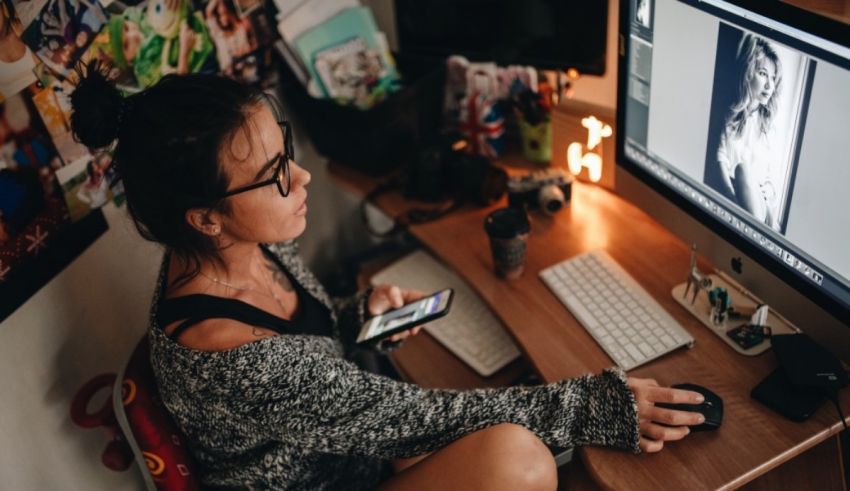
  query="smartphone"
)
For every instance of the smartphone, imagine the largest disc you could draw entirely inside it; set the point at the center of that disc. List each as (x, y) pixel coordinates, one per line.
(411, 315)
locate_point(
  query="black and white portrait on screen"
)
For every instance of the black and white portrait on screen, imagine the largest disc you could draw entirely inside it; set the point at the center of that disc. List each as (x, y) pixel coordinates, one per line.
(642, 13)
(757, 106)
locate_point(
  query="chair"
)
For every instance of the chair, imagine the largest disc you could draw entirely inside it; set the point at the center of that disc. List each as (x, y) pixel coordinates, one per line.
(158, 447)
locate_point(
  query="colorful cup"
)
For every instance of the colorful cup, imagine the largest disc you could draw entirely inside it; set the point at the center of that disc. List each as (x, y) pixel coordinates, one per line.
(536, 141)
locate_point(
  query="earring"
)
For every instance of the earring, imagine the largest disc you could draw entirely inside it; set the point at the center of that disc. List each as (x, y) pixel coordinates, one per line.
(216, 231)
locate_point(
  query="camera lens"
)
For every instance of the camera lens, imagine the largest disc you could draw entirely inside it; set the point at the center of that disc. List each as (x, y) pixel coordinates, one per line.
(551, 199)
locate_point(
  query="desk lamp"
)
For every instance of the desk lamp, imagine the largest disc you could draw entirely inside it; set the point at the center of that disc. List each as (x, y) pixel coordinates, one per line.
(583, 135)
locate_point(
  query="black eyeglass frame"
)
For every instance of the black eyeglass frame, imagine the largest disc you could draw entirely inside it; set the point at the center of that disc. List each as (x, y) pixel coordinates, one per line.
(282, 168)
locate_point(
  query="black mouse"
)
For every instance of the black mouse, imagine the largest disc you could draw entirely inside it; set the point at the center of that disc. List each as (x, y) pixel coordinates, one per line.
(711, 407)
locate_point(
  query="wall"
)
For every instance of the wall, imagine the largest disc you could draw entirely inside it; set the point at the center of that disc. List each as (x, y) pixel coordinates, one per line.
(84, 322)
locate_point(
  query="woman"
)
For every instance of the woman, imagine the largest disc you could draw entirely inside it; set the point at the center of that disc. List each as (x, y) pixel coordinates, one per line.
(16, 59)
(231, 34)
(94, 191)
(250, 352)
(745, 156)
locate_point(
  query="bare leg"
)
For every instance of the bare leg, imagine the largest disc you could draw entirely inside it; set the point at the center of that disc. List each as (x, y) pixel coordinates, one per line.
(501, 457)
(402, 464)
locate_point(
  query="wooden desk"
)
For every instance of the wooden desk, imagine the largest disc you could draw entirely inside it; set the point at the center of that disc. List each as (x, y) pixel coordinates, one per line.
(752, 441)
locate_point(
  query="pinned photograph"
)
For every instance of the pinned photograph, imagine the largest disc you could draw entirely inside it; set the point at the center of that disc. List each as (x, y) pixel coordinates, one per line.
(85, 185)
(37, 238)
(233, 37)
(102, 49)
(761, 89)
(17, 61)
(353, 73)
(31, 208)
(62, 32)
(148, 41)
(54, 107)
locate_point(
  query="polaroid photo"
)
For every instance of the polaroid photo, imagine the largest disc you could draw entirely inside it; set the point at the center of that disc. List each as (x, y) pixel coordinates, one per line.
(84, 186)
(350, 70)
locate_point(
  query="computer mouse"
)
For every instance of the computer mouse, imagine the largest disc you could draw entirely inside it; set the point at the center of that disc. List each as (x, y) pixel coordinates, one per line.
(711, 407)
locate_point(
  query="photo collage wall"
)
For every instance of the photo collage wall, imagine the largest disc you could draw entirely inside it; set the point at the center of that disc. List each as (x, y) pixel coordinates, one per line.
(51, 186)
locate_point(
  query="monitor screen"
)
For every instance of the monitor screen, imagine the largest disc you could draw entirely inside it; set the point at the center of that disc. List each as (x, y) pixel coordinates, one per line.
(742, 120)
(554, 34)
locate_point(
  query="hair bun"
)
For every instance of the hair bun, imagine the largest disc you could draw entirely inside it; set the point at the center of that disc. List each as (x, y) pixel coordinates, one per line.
(97, 106)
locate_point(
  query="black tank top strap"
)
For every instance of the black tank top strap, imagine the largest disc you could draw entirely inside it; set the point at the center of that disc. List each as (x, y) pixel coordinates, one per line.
(199, 307)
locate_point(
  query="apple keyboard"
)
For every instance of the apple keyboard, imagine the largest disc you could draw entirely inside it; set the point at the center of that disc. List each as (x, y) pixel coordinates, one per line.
(470, 330)
(617, 312)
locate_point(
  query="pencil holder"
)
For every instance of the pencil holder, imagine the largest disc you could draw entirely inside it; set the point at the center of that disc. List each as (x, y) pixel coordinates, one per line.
(536, 141)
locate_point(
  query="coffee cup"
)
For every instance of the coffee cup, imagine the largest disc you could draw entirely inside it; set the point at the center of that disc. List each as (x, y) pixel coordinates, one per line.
(508, 230)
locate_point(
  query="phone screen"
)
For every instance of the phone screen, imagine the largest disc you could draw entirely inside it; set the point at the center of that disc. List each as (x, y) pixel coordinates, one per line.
(410, 314)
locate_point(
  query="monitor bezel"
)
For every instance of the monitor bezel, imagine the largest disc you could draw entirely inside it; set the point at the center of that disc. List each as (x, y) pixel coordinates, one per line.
(824, 27)
(596, 67)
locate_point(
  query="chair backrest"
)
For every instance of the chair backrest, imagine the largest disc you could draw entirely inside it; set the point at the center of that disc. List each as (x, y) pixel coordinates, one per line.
(158, 446)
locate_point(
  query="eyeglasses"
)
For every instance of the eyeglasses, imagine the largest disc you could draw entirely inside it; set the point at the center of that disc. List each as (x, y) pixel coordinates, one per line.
(282, 177)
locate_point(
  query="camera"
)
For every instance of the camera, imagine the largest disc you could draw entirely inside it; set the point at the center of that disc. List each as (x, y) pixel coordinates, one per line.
(443, 169)
(546, 189)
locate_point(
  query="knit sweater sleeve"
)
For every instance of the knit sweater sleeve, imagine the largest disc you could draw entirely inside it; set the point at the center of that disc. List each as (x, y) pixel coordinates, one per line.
(328, 405)
(352, 312)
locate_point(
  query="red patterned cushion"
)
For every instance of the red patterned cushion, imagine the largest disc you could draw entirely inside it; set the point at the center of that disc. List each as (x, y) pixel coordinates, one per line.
(157, 438)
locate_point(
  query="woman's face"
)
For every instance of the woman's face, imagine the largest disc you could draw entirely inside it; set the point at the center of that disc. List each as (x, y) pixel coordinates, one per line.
(262, 215)
(81, 39)
(223, 15)
(762, 84)
(131, 41)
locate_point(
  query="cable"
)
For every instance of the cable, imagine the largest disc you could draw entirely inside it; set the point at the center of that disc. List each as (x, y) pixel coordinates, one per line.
(832, 395)
(371, 195)
(413, 216)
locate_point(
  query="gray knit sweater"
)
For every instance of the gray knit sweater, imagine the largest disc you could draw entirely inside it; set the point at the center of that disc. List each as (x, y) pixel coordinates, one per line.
(291, 412)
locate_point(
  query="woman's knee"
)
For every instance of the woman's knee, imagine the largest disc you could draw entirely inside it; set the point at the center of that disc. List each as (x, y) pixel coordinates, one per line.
(513, 454)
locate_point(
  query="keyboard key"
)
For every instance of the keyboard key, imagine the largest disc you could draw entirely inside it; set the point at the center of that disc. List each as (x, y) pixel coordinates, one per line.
(633, 351)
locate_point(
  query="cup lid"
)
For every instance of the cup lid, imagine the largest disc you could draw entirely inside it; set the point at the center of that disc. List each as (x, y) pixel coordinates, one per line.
(506, 223)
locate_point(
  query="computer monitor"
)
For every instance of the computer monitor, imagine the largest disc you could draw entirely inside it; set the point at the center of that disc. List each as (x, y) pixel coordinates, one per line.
(554, 34)
(733, 124)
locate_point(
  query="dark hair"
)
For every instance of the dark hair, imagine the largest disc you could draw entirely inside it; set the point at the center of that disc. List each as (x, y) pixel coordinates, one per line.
(170, 137)
(8, 8)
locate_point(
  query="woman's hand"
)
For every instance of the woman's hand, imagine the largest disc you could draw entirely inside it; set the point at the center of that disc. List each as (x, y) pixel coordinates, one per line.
(673, 424)
(388, 297)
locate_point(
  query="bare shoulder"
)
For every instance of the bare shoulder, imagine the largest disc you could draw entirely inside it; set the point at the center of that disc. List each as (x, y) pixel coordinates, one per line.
(219, 334)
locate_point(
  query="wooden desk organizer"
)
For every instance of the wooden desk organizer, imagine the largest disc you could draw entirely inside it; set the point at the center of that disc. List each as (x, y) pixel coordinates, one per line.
(742, 301)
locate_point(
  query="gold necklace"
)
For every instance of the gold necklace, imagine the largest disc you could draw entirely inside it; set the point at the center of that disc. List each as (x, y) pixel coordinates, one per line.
(228, 285)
